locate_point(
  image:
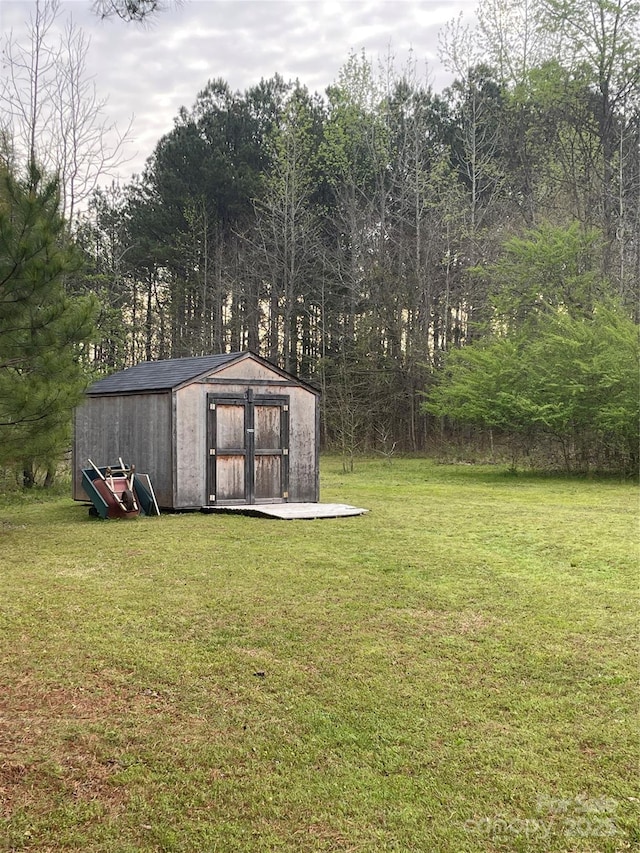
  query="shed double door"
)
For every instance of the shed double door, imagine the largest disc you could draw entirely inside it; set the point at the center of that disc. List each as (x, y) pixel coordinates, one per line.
(248, 443)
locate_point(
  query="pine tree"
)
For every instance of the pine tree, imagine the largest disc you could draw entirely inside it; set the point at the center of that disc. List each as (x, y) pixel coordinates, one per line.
(42, 330)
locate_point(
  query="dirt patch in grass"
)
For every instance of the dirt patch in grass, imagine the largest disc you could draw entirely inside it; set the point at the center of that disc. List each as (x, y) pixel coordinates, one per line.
(50, 751)
(422, 621)
(325, 834)
(40, 784)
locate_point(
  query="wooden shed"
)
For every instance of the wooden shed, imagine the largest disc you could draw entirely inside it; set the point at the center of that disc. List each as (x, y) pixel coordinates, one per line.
(217, 430)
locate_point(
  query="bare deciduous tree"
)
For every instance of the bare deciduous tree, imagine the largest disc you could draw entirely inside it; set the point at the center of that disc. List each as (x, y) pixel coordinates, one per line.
(53, 117)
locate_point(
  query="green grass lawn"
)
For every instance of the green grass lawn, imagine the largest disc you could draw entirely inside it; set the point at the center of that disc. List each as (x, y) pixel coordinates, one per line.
(454, 671)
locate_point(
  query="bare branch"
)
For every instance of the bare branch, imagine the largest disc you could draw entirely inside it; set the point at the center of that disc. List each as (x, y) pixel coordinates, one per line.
(136, 11)
(52, 115)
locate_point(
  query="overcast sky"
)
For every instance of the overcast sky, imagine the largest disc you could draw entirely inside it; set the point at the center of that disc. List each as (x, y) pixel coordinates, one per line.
(149, 72)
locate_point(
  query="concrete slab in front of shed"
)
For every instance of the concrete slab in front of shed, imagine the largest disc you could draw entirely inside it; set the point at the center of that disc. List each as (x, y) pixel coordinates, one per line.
(292, 510)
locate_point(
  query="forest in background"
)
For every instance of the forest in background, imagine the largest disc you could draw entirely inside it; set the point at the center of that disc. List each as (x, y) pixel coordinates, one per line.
(444, 265)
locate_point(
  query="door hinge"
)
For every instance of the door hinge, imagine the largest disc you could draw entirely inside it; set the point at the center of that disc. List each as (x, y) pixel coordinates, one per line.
(285, 451)
(212, 499)
(285, 408)
(212, 451)
(285, 494)
(212, 407)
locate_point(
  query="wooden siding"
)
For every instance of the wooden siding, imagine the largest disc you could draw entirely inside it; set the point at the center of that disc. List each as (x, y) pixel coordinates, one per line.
(303, 447)
(136, 427)
(190, 446)
(247, 369)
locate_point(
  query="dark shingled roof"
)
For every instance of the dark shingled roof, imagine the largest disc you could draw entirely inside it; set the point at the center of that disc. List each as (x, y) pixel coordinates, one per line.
(161, 375)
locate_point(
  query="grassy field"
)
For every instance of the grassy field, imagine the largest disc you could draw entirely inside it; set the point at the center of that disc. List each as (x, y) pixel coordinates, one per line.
(454, 671)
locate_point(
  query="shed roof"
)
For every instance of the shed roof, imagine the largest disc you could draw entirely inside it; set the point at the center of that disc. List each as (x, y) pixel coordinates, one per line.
(170, 373)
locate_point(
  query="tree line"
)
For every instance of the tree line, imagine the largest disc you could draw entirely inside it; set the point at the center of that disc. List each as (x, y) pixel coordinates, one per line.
(376, 239)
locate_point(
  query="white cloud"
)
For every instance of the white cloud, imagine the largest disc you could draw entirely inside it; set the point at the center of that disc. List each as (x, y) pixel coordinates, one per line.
(151, 71)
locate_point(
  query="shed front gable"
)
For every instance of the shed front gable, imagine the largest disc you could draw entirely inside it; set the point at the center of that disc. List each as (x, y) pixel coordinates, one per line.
(250, 368)
(253, 371)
